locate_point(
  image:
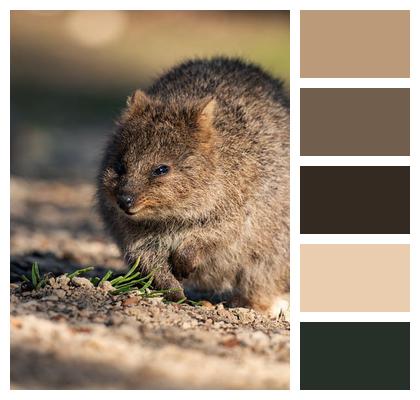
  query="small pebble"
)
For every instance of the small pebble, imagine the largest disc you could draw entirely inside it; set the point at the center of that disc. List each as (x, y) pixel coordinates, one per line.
(52, 282)
(106, 286)
(186, 325)
(131, 301)
(82, 282)
(63, 280)
(60, 293)
(244, 315)
(231, 342)
(51, 297)
(84, 313)
(206, 304)
(155, 300)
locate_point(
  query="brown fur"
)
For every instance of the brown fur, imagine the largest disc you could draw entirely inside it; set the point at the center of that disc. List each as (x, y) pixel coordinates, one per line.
(217, 225)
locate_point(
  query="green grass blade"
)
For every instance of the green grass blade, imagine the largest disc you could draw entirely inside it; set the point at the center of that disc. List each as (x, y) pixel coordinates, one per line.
(133, 268)
(117, 280)
(153, 295)
(129, 284)
(105, 277)
(24, 278)
(95, 280)
(33, 275)
(129, 278)
(40, 284)
(38, 275)
(79, 272)
(194, 303)
(148, 283)
(123, 290)
(123, 279)
(149, 275)
(171, 290)
(181, 301)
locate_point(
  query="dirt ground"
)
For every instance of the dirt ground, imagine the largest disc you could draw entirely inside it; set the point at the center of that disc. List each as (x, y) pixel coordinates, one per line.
(71, 335)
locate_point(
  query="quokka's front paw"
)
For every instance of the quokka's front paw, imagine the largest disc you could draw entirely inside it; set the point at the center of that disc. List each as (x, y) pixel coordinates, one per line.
(175, 294)
(172, 288)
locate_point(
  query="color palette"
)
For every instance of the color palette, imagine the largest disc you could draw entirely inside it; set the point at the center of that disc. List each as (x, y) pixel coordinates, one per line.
(354, 199)
(355, 44)
(355, 355)
(355, 122)
(355, 277)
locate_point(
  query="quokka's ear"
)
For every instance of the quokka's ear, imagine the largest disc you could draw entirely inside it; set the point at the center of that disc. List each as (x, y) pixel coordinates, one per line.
(135, 102)
(207, 134)
(206, 115)
(137, 99)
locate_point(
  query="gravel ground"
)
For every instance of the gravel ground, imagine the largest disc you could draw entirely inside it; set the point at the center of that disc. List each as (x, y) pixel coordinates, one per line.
(71, 335)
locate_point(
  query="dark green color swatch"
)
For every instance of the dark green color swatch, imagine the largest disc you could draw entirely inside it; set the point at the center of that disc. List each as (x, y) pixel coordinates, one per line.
(355, 355)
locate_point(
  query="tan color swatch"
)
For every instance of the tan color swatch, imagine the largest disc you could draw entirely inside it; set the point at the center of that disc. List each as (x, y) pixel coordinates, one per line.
(355, 44)
(360, 277)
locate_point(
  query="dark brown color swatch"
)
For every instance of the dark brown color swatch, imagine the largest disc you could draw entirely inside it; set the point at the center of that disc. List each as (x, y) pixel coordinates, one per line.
(365, 200)
(362, 44)
(355, 122)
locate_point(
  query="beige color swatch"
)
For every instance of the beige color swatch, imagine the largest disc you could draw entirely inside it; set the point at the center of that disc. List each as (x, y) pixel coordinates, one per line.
(361, 277)
(352, 44)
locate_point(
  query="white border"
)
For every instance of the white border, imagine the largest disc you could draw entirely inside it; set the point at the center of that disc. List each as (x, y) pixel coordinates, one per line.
(296, 239)
(294, 199)
(5, 200)
(355, 239)
(366, 316)
(354, 160)
(327, 83)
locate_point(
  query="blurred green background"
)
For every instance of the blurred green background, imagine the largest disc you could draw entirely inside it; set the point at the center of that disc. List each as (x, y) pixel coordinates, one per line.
(71, 72)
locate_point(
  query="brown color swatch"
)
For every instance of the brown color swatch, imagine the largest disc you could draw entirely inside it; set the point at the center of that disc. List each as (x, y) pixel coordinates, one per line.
(355, 277)
(355, 122)
(355, 44)
(353, 200)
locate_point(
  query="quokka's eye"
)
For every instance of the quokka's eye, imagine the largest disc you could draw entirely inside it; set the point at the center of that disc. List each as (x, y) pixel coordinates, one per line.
(160, 170)
(119, 168)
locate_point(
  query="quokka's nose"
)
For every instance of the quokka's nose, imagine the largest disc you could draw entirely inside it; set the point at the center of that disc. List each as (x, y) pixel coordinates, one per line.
(125, 201)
